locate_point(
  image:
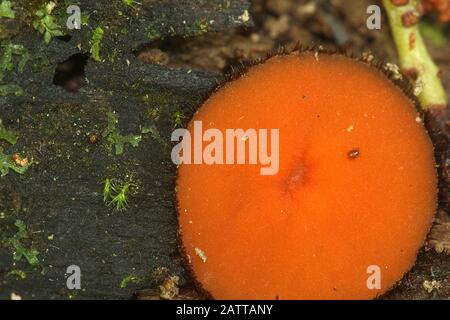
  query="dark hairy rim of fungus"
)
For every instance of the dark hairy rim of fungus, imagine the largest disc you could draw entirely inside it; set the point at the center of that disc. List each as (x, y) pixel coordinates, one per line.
(398, 78)
(437, 122)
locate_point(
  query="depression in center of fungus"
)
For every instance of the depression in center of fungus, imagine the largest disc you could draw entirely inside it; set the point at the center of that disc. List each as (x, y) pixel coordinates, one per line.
(351, 203)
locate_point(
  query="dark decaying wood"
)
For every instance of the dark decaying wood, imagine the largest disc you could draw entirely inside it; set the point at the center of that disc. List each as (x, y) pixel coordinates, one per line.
(60, 198)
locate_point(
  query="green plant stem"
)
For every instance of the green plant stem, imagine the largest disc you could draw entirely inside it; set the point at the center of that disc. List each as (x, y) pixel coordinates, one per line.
(414, 57)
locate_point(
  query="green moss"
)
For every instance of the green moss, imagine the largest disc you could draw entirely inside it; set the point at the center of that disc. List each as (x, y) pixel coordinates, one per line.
(18, 273)
(6, 161)
(7, 164)
(129, 2)
(129, 279)
(10, 89)
(68, 3)
(120, 200)
(116, 193)
(6, 10)
(157, 98)
(108, 190)
(96, 39)
(154, 113)
(154, 133)
(156, 101)
(45, 23)
(153, 33)
(8, 61)
(200, 27)
(113, 56)
(178, 119)
(115, 139)
(124, 30)
(72, 295)
(6, 135)
(85, 18)
(20, 250)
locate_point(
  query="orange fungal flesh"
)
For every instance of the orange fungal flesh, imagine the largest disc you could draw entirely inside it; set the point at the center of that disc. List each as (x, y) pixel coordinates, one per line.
(356, 185)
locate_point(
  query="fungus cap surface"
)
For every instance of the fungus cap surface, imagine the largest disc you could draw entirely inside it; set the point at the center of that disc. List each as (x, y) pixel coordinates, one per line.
(356, 185)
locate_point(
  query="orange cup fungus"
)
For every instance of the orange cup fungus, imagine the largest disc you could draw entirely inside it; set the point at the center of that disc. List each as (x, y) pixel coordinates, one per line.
(352, 201)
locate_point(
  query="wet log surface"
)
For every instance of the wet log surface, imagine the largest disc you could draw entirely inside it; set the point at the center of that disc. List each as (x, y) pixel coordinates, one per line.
(61, 195)
(60, 198)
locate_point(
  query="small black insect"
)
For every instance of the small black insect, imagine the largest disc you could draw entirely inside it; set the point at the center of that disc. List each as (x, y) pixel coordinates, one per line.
(353, 154)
